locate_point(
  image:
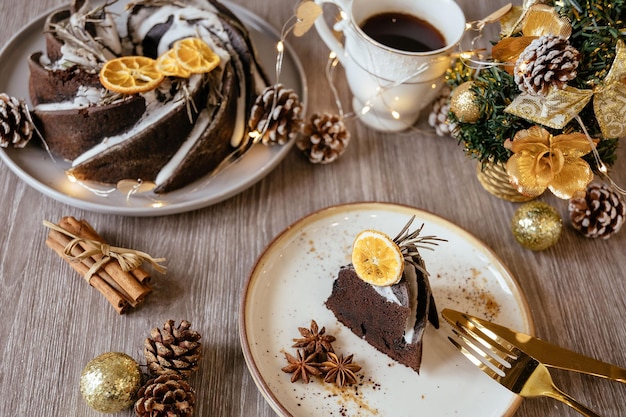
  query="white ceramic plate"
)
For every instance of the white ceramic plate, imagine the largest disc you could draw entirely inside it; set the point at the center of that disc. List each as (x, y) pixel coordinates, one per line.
(292, 279)
(35, 167)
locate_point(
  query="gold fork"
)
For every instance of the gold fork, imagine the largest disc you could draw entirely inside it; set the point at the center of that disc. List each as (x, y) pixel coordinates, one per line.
(512, 368)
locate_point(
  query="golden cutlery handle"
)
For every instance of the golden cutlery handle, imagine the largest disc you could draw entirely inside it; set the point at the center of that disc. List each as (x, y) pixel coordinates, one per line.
(559, 395)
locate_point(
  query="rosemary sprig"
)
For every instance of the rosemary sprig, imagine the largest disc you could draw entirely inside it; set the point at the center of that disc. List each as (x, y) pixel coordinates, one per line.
(410, 242)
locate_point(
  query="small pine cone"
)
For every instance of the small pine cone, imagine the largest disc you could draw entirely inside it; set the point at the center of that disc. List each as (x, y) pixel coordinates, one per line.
(325, 138)
(548, 61)
(599, 214)
(438, 117)
(167, 395)
(277, 115)
(173, 349)
(16, 126)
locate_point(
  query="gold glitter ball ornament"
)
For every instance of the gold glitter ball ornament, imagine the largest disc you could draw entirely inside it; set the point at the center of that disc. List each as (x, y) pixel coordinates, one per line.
(110, 382)
(536, 225)
(463, 103)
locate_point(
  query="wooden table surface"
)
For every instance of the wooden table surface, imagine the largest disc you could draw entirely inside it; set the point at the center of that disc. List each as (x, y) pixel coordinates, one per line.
(53, 323)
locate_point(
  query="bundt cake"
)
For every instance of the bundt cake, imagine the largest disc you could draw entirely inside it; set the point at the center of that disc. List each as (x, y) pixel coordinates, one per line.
(171, 135)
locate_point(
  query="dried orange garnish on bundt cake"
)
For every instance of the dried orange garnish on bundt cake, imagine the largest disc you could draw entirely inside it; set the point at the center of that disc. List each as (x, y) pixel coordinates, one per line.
(195, 55)
(131, 75)
(152, 115)
(169, 65)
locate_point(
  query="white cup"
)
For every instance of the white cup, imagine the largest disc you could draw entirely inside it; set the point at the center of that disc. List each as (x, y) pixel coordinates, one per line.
(390, 86)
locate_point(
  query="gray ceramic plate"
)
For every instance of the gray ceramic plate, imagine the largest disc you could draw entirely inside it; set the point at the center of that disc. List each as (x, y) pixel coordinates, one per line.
(35, 167)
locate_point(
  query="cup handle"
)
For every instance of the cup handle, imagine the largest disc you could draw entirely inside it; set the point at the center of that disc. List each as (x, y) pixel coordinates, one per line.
(324, 31)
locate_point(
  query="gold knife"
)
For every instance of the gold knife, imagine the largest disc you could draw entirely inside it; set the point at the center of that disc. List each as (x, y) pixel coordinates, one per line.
(549, 354)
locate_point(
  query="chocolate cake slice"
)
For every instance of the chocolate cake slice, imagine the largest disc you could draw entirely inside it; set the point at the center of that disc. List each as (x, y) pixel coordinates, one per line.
(141, 151)
(203, 149)
(71, 109)
(392, 318)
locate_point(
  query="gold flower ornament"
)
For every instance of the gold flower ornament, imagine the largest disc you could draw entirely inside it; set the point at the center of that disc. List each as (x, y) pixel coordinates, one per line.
(541, 160)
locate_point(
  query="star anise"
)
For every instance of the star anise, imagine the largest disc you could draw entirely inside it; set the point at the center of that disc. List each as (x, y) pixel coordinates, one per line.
(314, 340)
(340, 369)
(302, 366)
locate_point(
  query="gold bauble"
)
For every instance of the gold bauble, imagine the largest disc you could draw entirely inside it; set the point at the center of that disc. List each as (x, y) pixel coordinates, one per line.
(110, 382)
(536, 225)
(463, 103)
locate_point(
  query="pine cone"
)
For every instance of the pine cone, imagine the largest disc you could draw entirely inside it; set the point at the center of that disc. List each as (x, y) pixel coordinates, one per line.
(277, 115)
(599, 214)
(325, 138)
(438, 117)
(168, 395)
(548, 61)
(173, 349)
(16, 126)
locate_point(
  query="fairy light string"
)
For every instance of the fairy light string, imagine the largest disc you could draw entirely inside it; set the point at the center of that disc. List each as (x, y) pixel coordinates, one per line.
(475, 58)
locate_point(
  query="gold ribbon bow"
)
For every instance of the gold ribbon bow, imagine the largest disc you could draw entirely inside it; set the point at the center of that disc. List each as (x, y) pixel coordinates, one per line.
(559, 107)
(128, 259)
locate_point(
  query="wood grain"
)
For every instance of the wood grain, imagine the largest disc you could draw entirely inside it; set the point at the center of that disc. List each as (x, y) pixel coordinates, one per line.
(53, 323)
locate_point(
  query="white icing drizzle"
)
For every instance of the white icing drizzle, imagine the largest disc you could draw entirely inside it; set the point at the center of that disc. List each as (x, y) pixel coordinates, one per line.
(181, 28)
(387, 292)
(109, 36)
(201, 124)
(240, 120)
(72, 56)
(207, 24)
(194, 19)
(106, 41)
(410, 275)
(154, 112)
(85, 97)
(168, 169)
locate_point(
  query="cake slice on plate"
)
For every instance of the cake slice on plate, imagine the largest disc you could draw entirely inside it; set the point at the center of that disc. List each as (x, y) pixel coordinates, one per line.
(384, 296)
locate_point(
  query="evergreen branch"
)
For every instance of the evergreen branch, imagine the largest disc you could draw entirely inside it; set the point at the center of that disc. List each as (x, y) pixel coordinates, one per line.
(597, 25)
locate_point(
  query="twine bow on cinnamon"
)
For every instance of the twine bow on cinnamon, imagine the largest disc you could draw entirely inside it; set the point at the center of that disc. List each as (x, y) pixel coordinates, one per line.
(123, 282)
(128, 259)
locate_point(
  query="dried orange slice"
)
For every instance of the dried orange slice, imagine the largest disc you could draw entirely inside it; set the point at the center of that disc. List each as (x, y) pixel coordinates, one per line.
(130, 75)
(169, 65)
(194, 55)
(376, 258)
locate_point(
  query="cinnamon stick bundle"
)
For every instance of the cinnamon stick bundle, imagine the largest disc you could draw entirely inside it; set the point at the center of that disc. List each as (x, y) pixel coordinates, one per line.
(74, 241)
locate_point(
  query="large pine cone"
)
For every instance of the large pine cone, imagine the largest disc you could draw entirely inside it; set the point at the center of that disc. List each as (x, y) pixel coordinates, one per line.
(168, 395)
(276, 115)
(599, 214)
(173, 349)
(548, 61)
(16, 126)
(325, 138)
